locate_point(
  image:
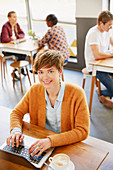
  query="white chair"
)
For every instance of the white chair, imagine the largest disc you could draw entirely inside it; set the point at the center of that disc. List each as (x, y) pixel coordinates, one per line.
(3, 60)
(85, 74)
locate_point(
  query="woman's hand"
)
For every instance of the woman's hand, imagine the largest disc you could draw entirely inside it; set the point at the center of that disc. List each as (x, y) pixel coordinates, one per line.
(13, 38)
(40, 145)
(15, 137)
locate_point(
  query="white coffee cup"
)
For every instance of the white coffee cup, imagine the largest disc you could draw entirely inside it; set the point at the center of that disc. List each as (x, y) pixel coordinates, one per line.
(60, 161)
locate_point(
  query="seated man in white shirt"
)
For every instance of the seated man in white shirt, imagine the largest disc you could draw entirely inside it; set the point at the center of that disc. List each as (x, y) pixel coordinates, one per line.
(97, 43)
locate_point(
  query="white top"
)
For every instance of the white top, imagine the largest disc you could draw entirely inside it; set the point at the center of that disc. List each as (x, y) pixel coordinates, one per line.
(94, 36)
(53, 115)
(13, 33)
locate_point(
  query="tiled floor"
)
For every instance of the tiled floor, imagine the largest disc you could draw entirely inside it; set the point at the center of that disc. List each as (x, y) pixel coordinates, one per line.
(101, 124)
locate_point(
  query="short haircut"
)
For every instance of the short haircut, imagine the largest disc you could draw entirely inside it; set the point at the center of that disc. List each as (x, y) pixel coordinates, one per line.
(48, 58)
(104, 16)
(11, 12)
(52, 18)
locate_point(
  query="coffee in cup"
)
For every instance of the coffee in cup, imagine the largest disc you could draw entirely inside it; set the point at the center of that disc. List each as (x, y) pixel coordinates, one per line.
(60, 161)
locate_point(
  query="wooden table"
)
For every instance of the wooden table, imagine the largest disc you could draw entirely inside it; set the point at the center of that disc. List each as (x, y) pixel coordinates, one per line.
(90, 154)
(27, 47)
(105, 65)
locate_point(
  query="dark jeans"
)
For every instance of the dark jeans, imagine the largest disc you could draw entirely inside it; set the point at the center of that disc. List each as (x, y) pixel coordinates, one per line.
(107, 81)
(18, 56)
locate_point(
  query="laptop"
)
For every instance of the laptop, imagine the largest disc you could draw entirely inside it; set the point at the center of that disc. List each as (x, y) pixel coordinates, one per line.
(21, 156)
(17, 41)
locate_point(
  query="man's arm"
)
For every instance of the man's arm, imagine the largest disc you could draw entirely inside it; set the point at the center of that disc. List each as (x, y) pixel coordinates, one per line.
(99, 55)
(44, 40)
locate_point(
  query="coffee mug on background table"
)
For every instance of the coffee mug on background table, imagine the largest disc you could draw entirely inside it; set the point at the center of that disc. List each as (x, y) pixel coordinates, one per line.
(60, 161)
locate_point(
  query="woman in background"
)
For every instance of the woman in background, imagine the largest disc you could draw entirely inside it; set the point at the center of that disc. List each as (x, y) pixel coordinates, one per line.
(11, 31)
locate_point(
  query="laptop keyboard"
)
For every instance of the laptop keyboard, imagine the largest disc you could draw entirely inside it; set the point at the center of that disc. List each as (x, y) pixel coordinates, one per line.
(23, 151)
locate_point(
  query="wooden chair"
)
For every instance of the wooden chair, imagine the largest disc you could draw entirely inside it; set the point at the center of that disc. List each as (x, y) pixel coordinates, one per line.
(19, 65)
(3, 60)
(62, 72)
(1, 64)
(85, 74)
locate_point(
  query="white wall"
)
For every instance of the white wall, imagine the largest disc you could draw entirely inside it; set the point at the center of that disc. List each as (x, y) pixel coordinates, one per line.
(88, 8)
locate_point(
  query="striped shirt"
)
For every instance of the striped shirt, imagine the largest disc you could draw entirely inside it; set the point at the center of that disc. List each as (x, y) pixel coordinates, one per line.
(56, 40)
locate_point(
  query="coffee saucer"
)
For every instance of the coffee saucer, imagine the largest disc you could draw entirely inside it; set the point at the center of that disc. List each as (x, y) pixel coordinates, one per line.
(71, 166)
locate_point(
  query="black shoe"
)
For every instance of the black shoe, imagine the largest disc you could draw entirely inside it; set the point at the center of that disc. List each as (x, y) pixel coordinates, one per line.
(16, 78)
(31, 71)
(16, 69)
(22, 72)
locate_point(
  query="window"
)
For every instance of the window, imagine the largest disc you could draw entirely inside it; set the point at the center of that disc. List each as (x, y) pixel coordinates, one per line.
(65, 12)
(13, 5)
(111, 6)
(39, 9)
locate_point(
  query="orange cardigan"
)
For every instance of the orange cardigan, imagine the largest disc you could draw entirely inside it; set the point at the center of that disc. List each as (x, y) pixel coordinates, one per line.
(74, 113)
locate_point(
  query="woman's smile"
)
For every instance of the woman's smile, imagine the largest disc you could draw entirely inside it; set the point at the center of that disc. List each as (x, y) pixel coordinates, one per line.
(47, 82)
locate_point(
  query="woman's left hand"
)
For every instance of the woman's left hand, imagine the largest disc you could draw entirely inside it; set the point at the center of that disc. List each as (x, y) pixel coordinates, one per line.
(40, 145)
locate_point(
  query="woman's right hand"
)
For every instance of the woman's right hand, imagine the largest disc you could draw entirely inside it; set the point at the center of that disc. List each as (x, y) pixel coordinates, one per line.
(13, 38)
(15, 137)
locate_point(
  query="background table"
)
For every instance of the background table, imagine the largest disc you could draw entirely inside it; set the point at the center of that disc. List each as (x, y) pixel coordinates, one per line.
(27, 47)
(105, 65)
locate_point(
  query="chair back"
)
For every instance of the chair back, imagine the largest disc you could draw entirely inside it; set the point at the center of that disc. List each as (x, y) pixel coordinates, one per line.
(85, 71)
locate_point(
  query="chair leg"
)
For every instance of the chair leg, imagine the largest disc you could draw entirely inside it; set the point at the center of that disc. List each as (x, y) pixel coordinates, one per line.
(1, 60)
(99, 88)
(62, 77)
(62, 71)
(84, 80)
(112, 77)
(29, 59)
(20, 79)
(4, 68)
(6, 65)
(28, 76)
(13, 78)
(91, 93)
(14, 59)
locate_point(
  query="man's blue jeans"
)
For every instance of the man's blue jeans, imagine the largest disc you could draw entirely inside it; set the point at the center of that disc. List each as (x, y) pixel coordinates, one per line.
(107, 81)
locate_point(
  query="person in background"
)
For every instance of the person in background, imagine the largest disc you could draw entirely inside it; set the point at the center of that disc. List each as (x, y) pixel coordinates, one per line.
(10, 32)
(51, 104)
(55, 38)
(97, 43)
